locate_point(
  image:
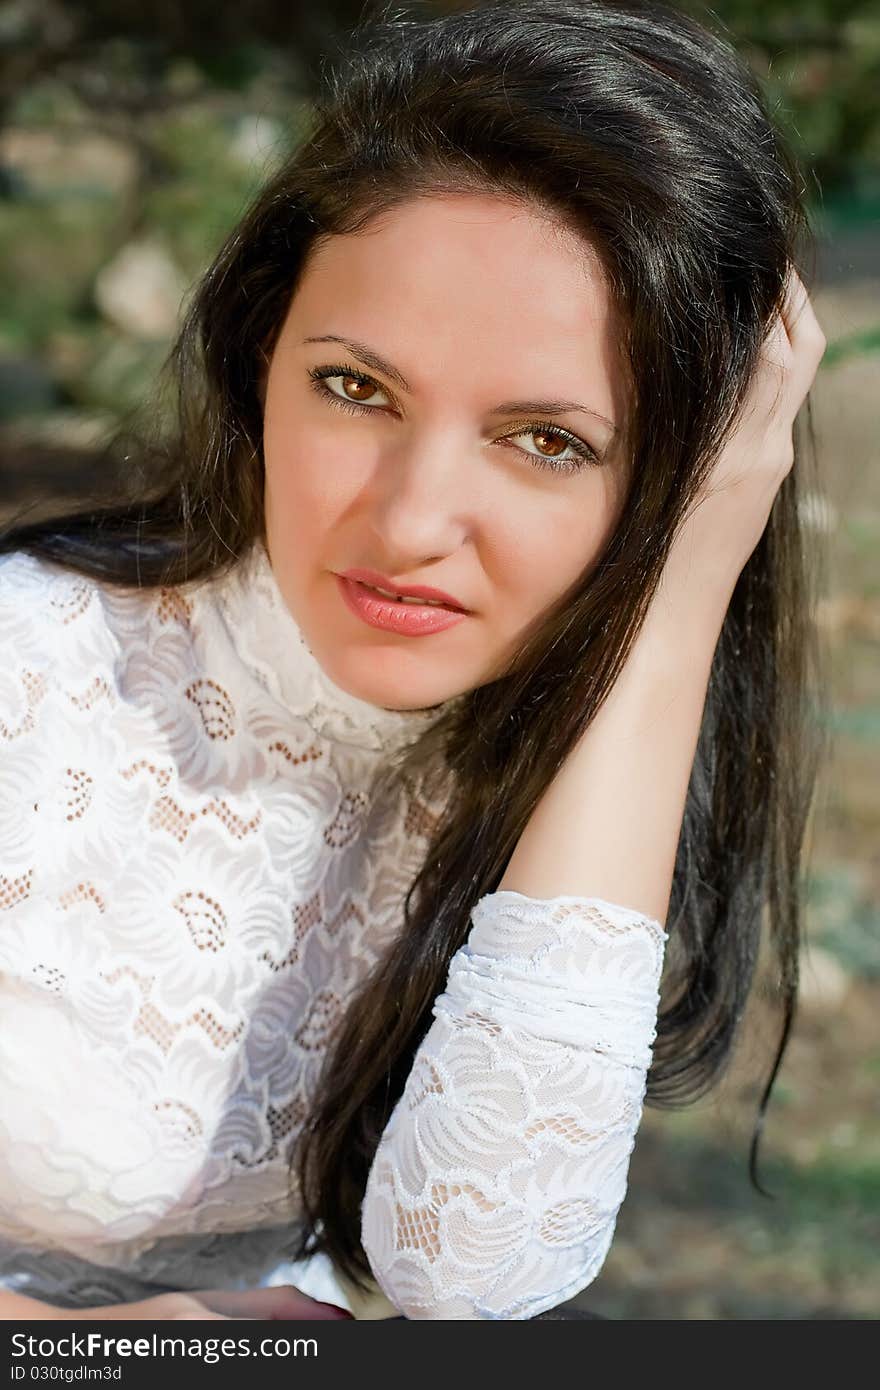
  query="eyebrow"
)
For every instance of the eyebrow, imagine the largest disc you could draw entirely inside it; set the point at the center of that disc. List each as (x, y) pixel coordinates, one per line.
(372, 359)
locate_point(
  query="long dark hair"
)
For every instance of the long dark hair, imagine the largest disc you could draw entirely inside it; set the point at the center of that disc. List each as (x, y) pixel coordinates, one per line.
(647, 133)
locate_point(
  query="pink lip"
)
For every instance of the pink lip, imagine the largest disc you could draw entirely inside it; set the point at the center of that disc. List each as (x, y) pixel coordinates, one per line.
(381, 581)
(408, 619)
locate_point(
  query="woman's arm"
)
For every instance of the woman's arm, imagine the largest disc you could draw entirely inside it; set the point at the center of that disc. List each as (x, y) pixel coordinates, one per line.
(609, 822)
(496, 1184)
(495, 1188)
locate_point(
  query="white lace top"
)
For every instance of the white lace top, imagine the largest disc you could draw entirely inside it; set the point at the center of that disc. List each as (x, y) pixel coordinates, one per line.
(194, 878)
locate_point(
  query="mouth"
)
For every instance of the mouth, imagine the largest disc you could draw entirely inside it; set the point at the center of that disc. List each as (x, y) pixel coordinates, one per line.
(409, 598)
(409, 616)
(416, 595)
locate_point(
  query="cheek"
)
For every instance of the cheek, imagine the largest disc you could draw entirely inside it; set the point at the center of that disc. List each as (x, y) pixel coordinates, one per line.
(541, 550)
(310, 475)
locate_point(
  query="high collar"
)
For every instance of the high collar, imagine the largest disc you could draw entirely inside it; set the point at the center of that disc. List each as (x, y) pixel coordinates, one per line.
(268, 640)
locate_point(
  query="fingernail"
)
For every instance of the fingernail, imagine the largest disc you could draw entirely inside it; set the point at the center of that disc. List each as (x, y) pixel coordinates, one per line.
(336, 1311)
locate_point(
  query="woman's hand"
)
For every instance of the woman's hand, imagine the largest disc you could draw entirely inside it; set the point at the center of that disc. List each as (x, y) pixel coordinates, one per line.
(609, 823)
(730, 513)
(281, 1303)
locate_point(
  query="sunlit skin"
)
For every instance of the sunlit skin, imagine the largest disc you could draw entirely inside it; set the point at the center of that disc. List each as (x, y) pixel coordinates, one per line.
(476, 302)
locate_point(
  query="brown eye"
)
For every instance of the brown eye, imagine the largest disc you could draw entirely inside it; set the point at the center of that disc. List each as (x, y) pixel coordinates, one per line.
(567, 452)
(356, 389)
(554, 439)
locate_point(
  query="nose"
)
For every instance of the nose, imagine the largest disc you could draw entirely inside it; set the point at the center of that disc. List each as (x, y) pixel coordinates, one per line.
(421, 504)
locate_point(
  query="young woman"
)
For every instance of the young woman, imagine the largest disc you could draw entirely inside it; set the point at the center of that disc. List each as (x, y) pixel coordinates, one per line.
(302, 873)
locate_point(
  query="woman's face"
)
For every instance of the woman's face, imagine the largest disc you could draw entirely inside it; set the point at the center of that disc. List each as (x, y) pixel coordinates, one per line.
(407, 411)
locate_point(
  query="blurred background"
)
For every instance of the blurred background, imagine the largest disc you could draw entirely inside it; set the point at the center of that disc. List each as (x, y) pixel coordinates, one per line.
(131, 138)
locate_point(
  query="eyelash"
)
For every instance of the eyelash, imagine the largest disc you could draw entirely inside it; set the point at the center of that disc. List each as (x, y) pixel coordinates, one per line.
(586, 455)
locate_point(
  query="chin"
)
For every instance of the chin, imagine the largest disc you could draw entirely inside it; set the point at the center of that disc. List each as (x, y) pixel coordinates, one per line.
(372, 691)
(393, 701)
(391, 698)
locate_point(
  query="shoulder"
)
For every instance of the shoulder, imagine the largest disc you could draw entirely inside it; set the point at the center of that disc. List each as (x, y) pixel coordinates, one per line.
(65, 636)
(44, 601)
(41, 590)
(47, 610)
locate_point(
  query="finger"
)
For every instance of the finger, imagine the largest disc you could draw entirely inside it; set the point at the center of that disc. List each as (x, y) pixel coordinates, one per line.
(776, 349)
(196, 1316)
(790, 355)
(794, 297)
(766, 392)
(283, 1301)
(808, 344)
(287, 1301)
(803, 328)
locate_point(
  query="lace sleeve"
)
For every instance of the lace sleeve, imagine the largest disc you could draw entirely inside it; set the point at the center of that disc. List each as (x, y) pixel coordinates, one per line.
(496, 1184)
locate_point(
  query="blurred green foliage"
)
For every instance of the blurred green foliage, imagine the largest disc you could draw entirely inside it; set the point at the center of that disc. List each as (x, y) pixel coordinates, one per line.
(200, 101)
(819, 61)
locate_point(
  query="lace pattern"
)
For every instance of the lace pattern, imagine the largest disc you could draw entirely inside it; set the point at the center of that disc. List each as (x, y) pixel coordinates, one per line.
(195, 876)
(497, 1182)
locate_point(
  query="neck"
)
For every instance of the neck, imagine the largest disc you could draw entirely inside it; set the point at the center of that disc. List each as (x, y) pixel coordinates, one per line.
(269, 641)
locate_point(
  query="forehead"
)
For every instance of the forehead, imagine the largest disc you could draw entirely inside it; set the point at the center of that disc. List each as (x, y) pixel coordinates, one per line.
(475, 291)
(490, 241)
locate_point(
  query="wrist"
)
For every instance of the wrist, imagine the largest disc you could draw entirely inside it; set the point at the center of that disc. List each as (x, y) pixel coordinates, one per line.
(680, 636)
